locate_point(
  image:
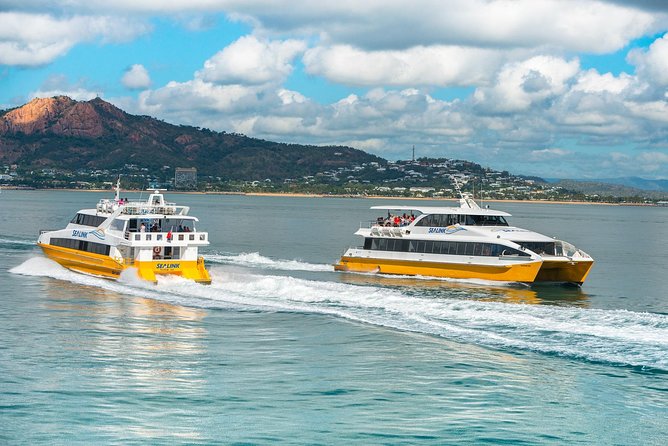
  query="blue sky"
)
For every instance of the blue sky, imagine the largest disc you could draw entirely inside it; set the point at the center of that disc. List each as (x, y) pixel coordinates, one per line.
(555, 88)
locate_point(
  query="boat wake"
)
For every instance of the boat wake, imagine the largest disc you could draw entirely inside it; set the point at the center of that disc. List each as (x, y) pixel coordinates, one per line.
(611, 336)
(16, 244)
(255, 260)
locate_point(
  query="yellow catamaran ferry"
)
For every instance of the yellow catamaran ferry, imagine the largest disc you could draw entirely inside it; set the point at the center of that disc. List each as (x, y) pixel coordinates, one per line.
(465, 242)
(152, 236)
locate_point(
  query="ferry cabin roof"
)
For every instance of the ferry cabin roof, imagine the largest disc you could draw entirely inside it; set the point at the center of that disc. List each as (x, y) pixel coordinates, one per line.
(443, 210)
(105, 215)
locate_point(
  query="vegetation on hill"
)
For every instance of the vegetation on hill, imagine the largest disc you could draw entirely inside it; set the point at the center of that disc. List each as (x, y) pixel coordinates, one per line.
(101, 136)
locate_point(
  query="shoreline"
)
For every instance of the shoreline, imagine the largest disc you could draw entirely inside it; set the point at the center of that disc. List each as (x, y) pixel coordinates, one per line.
(314, 195)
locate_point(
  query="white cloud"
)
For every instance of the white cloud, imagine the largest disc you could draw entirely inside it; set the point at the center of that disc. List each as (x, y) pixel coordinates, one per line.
(591, 81)
(290, 97)
(521, 84)
(652, 63)
(655, 110)
(573, 25)
(59, 85)
(197, 95)
(645, 164)
(418, 66)
(249, 60)
(548, 154)
(37, 39)
(136, 77)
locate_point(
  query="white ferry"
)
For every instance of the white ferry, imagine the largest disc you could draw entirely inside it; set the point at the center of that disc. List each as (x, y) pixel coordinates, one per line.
(466, 242)
(152, 236)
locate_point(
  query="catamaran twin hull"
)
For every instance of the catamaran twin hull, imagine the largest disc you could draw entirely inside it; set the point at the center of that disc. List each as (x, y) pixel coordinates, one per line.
(526, 272)
(110, 268)
(153, 237)
(465, 242)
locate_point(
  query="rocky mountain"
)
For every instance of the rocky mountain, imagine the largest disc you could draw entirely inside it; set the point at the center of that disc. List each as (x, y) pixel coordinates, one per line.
(60, 132)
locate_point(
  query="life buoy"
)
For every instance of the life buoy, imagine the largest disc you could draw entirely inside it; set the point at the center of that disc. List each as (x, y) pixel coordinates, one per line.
(156, 250)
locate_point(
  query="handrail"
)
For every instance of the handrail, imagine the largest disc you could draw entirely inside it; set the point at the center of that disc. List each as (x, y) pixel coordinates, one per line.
(194, 236)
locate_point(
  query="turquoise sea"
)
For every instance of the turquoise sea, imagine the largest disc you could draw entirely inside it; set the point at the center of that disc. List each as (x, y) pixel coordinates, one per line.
(281, 349)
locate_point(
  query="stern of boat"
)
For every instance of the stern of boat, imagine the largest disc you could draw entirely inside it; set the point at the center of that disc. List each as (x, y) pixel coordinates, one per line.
(194, 270)
(564, 270)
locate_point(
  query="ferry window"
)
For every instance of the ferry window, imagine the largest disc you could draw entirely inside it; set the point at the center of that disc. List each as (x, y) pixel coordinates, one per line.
(426, 221)
(367, 242)
(558, 249)
(88, 220)
(81, 245)
(440, 220)
(513, 252)
(489, 220)
(382, 244)
(428, 247)
(118, 224)
(132, 225)
(540, 247)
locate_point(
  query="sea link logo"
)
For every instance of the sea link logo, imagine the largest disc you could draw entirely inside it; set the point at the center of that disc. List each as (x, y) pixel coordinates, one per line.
(98, 233)
(168, 266)
(448, 230)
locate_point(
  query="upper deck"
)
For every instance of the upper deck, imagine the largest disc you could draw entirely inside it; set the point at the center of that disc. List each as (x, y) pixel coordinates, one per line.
(154, 205)
(433, 210)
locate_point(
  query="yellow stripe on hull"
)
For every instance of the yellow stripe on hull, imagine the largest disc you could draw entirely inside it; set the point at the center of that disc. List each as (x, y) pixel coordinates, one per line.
(105, 266)
(519, 272)
(575, 271)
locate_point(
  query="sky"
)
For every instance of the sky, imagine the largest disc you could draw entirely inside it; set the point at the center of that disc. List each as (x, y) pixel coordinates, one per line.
(553, 88)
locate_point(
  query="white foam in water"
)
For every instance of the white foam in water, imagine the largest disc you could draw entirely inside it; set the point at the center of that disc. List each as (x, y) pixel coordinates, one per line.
(255, 260)
(17, 241)
(615, 336)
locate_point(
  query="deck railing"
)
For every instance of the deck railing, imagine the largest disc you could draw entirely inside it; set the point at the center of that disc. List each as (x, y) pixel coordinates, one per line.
(162, 236)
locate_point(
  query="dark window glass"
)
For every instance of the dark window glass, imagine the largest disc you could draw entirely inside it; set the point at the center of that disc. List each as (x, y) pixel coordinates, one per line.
(540, 248)
(81, 245)
(367, 242)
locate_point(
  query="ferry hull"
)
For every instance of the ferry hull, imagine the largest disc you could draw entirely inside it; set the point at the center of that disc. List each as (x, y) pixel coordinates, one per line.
(521, 272)
(105, 266)
(575, 271)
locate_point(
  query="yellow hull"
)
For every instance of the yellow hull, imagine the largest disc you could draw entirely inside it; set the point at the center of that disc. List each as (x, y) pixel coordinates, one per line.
(575, 271)
(105, 266)
(522, 272)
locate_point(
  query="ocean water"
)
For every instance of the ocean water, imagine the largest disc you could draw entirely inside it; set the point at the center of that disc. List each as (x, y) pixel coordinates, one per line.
(281, 349)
